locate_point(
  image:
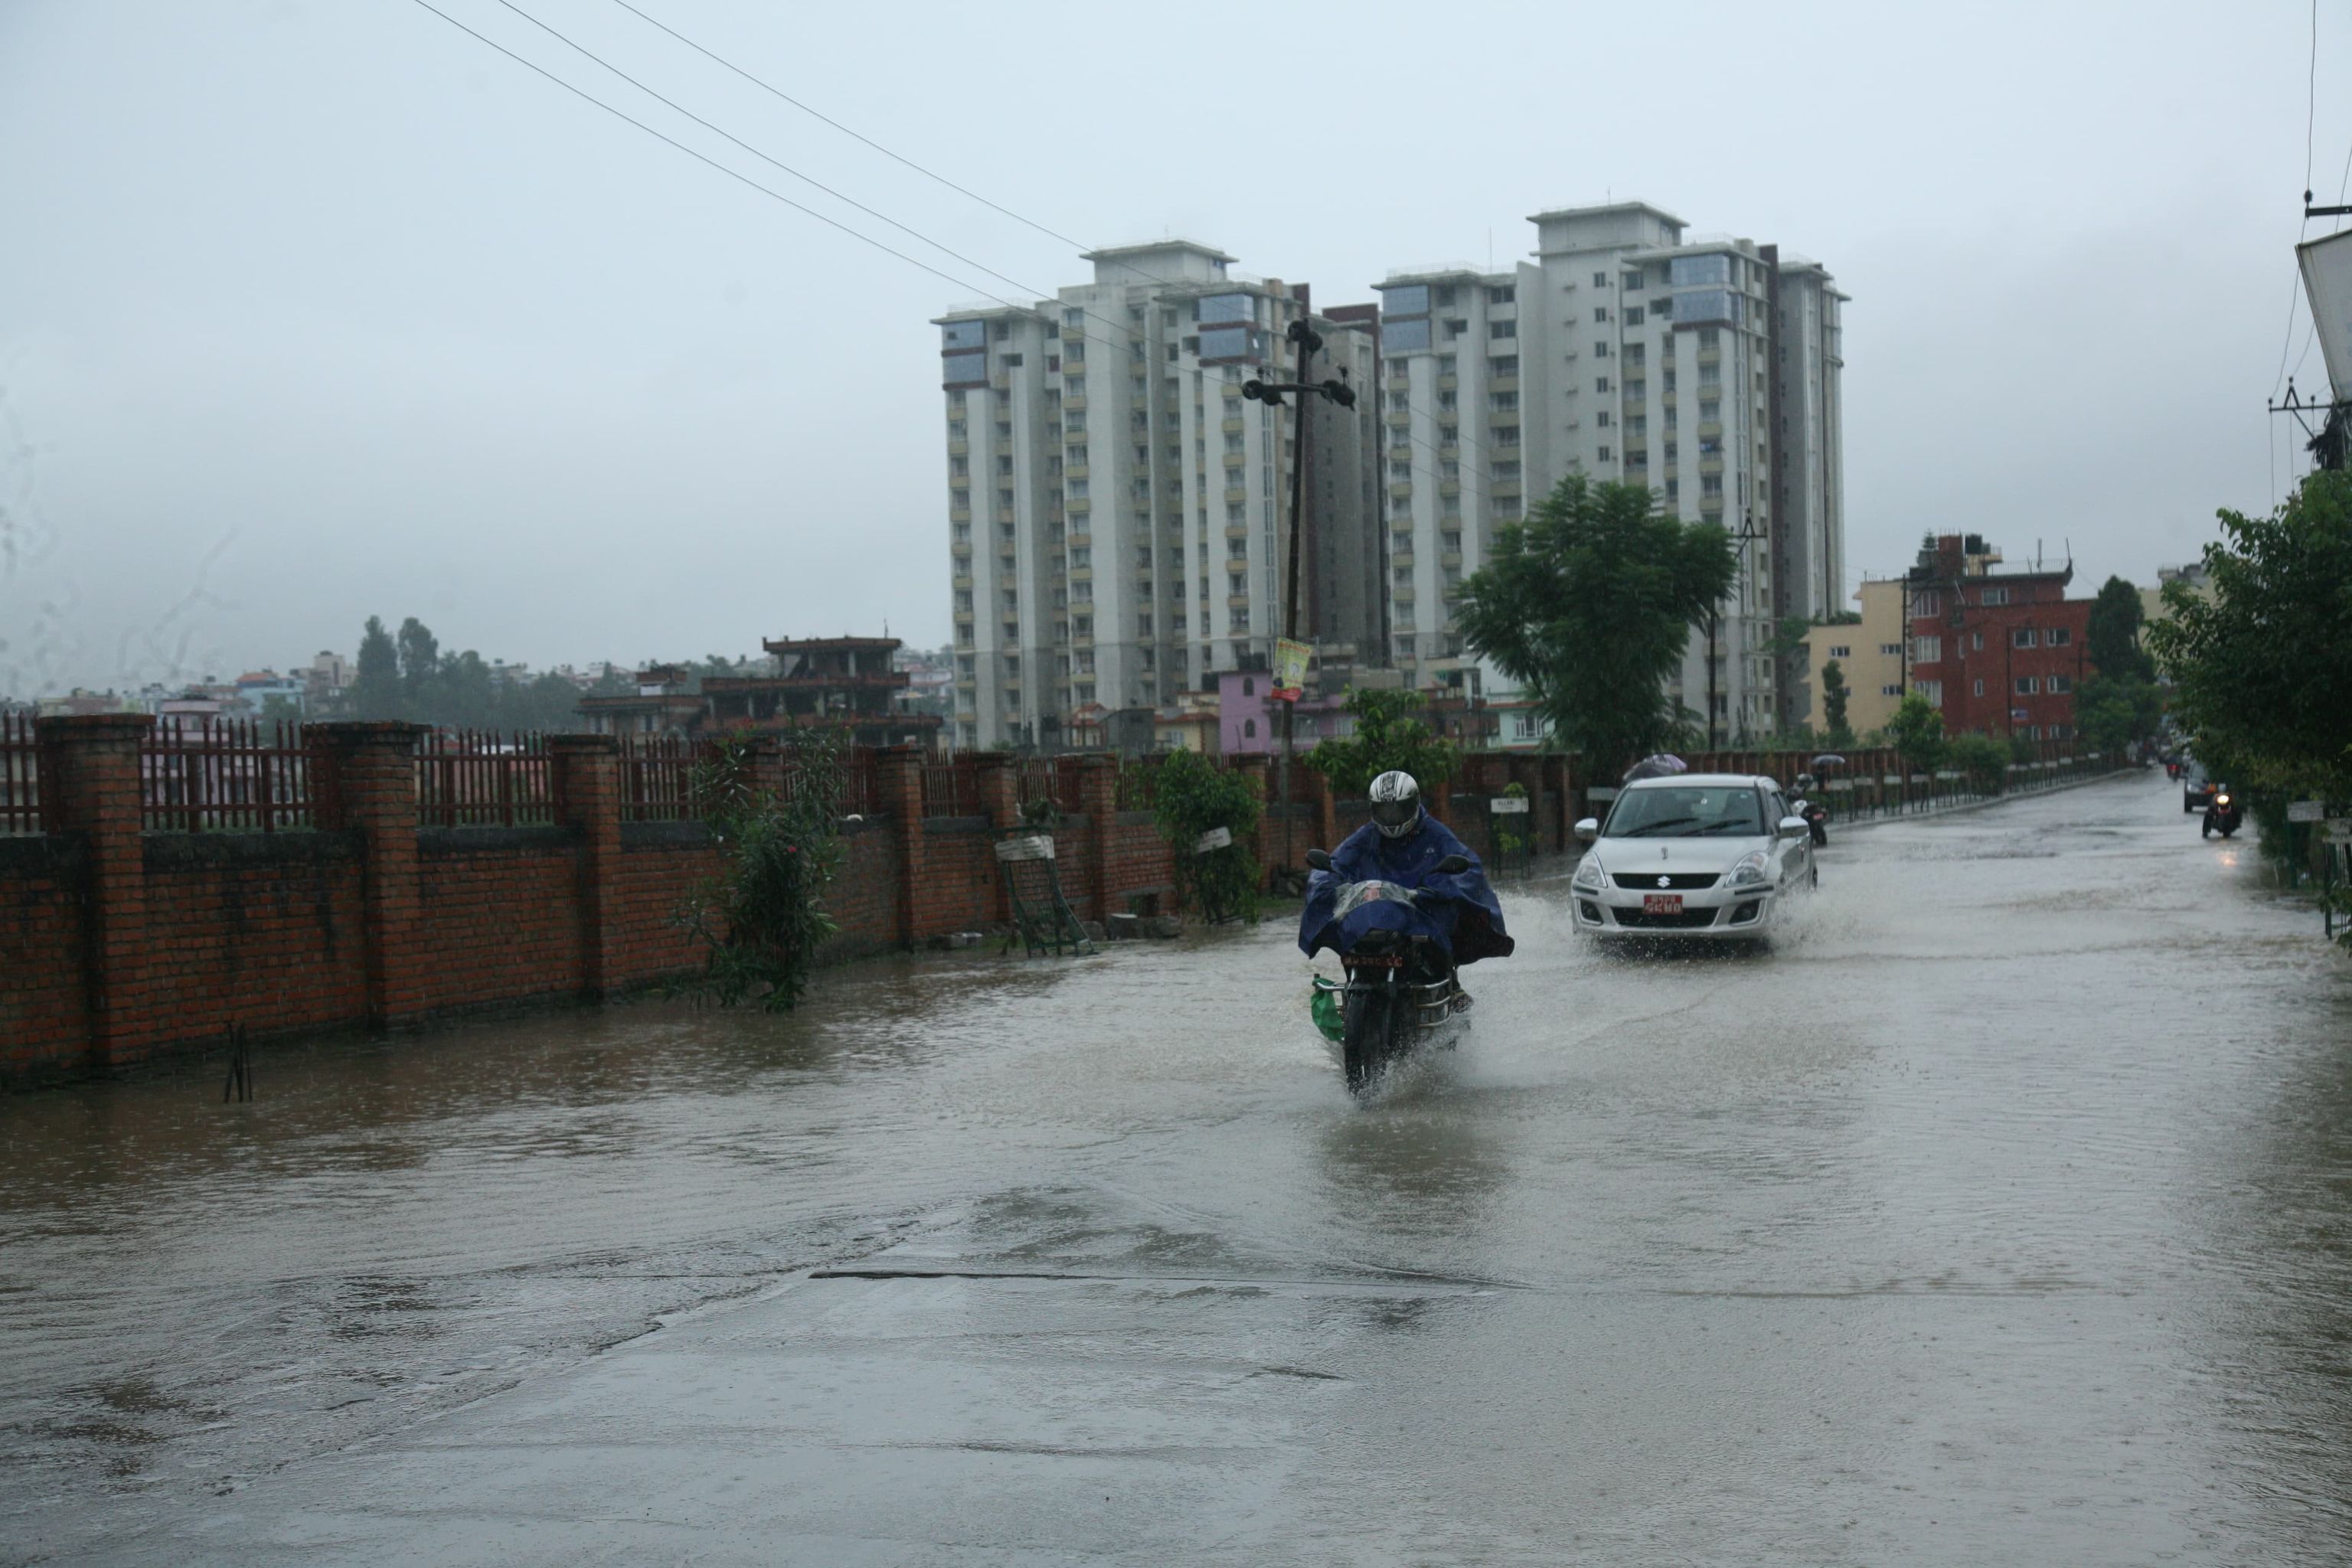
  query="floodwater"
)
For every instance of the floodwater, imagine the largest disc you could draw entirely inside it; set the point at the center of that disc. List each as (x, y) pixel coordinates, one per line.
(2001, 1214)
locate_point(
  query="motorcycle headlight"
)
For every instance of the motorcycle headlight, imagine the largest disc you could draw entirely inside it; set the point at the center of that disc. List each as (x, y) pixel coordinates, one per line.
(1749, 872)
(1588, 873)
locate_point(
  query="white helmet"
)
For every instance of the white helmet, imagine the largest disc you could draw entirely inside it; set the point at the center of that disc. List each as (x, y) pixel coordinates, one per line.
(1396, 804)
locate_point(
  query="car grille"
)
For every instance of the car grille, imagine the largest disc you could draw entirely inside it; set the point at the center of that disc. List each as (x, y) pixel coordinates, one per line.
(1689, 920)
(1660, 881)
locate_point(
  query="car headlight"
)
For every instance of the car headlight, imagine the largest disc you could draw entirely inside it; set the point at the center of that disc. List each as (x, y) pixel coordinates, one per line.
(1749, 872)
(1588, 874)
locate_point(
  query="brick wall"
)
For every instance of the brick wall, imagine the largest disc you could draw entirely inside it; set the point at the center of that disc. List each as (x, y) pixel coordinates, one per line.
(44, 990)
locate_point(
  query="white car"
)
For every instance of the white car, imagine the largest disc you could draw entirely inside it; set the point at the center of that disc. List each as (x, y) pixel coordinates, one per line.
(1709, 856)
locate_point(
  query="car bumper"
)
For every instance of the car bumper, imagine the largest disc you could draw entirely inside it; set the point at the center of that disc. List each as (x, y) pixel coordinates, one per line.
(1712, 914)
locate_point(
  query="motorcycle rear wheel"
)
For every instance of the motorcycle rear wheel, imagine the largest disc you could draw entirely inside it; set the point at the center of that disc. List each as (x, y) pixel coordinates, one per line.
(1365, 1049)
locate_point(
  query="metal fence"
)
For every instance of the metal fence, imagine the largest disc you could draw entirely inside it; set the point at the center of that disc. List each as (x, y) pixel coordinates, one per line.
(20, 775)
(475, 778)
(239, 775)
(951, 788)
(657, 778)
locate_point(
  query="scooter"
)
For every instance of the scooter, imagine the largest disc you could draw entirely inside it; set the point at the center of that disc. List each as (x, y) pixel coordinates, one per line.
(2223, 815)
(1402, 989)
(1816, 814)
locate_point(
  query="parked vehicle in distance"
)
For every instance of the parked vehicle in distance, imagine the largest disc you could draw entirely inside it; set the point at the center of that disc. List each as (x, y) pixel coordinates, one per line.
(2195, 789)
(1706, 856)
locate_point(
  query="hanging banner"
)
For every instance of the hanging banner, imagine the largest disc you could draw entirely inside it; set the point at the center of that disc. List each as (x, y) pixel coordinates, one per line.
(2326, 266)
(1289, 669)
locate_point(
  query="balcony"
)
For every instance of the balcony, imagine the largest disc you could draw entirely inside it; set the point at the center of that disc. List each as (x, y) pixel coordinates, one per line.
(1504, 419)
(1402, 593)
(1233, 392)
(1449, 382)
(959, 448)
(1079, 506)
(959, 481)
(1400, 489)
(1710, 430)
(1237, 530)
(1003, 514)
(963, 617)
(962, 580)
(1074, 402)
(1004, 447)
(1235, 424)
(1708, 466)
(958, 514)
(1449, 558)
(1235, 495)
(1504, 488)
(1450, 488)
(1503, 384)
(1236, 459)
(1082, 574)
(1074, 471)
(1399, 416)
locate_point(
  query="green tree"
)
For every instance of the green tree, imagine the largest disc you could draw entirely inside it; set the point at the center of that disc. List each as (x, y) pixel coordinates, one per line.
(2111, 714)
(762, 921)
(1190, 797)
(375, 687)
(1917, 731)
(279, 709)
(1984, 760)
(1390, 733)
(420, 657)
(1835, 696)
(2263, 662)
(2114, 635)
(1589, 605)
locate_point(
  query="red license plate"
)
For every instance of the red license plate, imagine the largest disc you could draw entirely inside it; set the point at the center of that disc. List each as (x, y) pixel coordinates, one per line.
(1662, 903)
(1389, 960)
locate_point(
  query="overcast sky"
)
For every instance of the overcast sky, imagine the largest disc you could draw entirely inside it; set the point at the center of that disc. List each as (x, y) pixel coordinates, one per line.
(317, 309)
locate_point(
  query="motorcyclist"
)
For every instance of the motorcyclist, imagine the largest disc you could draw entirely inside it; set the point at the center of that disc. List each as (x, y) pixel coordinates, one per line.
(1403, 843)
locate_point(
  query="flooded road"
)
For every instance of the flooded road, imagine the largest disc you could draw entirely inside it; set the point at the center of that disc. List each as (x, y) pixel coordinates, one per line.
(2004, 1212)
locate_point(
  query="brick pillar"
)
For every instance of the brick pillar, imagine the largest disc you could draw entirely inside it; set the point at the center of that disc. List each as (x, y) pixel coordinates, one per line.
(1099, 799)
(586, 774)
(899, 795)
(1000, 802)
(91, 786)
(1253, 771)
(367, 784)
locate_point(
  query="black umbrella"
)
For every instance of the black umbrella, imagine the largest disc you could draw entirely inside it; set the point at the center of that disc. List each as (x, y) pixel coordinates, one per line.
(1662, 765)
(1829, 759)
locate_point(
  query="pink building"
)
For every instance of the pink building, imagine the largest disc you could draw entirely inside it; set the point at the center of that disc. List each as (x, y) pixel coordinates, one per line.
(1249, 720)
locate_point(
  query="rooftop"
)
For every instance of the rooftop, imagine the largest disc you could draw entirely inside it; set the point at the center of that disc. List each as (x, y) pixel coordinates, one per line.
(1120, 252)
(1603, 209)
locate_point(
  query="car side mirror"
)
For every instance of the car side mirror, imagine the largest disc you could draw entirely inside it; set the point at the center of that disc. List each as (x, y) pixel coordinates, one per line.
(1319, 859)
(1589, 829)
(1794, 827)
(1453, 865)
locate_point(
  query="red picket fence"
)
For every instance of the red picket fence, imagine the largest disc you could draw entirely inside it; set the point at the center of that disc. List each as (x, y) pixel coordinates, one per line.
(242, 776)
(951, 788)
(473, 778)
(20, 775)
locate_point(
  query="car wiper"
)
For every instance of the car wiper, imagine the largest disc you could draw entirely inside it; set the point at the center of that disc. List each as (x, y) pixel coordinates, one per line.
(1649, 827)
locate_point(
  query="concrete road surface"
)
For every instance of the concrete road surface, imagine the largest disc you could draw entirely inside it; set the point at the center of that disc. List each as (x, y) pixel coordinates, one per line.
(2001, 1214)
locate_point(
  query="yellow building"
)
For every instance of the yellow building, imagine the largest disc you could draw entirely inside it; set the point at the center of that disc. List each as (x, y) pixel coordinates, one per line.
(1869, 654)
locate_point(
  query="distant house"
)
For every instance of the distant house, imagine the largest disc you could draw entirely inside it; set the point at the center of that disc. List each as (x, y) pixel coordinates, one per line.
(848, 685)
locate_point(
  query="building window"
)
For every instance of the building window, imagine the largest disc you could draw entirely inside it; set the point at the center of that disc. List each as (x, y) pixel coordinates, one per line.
(1601, 347)
(1927, 650)
(1249, 687)
(2061, 684)
(2059, 637)
(1249, 729)
(2029, 684)
(1502, 296)
(1502, 402)
(1927, 602)
(1979, 692)
(1840, 650)
(1890, 650)
(1503, 364)
(1600, 280)
(1933, 690)
(2024, 636)
(1633, 315)
(1502, 329)
(1890, 691)
(1608, 455)
(1991, 597)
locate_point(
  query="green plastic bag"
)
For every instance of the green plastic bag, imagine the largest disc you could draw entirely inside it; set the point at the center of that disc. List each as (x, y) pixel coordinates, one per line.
(1325, 1005)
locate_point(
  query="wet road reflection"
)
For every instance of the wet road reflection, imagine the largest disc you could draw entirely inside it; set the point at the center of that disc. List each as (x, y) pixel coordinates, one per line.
(2003, 1212)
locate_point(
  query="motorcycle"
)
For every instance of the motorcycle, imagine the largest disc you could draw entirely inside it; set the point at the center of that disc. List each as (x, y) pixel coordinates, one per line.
(1816, 814)
(2223, 815)
(1402, 988)
(1397, 946)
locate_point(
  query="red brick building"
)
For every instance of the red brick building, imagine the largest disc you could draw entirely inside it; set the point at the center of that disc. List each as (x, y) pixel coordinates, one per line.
(2000, 648)
(846, 684)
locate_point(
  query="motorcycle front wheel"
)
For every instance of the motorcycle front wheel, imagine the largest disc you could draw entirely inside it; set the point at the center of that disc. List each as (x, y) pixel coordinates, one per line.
(1364, 1048)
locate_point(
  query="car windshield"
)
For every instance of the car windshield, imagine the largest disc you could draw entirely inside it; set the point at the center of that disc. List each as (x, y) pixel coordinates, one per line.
(1685, 810)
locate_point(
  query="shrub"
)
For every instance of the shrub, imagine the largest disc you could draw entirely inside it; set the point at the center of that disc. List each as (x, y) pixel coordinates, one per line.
(1192, 797)
(761, 918)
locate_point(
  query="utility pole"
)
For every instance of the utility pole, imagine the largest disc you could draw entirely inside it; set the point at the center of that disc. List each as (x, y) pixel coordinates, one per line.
(1309, 342)
(1747, 535)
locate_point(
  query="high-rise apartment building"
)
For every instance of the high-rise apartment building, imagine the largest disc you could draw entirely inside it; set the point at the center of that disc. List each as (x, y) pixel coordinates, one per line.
(1119, 511)
(1707, 369)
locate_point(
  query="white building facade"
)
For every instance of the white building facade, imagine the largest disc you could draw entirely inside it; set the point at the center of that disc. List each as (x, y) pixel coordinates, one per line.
(1117, 510)
(1707, 370)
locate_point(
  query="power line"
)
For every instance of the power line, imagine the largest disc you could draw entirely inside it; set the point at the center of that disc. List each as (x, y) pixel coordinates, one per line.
(845, 130)
(2310, 123)
(704, 158)
(795, 173)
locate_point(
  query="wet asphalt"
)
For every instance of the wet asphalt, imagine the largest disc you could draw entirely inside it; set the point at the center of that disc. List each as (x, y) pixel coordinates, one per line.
(2001, 1213)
